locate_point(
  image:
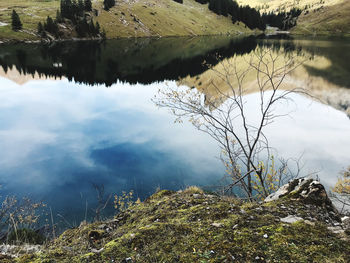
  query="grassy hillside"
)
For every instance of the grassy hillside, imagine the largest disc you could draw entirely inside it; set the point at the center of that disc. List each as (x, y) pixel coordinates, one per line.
(279, 5)
(134, 18)
(328, 20)
(191, 226)
(319, 17)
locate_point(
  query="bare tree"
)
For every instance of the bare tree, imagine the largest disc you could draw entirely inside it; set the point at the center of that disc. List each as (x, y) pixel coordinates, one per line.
(242, 140)
(102, 200)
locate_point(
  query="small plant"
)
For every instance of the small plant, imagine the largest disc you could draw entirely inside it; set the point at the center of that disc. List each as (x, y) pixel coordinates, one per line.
(125, 200)
(341, 191)
(343, 184)
(271, 178)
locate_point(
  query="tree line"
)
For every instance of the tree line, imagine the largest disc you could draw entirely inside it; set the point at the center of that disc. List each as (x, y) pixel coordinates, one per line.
(73, 12)
(246, 14)
(250, 16)
(282, 20)
(71, 9)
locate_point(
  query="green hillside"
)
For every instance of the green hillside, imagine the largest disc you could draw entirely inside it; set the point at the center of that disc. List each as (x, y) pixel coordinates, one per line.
(321, 17)
(191, 226)
(127, 19)
(326, 20)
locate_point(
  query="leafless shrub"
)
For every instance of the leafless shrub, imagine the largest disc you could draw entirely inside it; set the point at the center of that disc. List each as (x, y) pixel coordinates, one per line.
(246, 152)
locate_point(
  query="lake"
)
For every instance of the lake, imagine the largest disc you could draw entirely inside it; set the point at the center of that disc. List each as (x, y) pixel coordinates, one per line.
(79, 116)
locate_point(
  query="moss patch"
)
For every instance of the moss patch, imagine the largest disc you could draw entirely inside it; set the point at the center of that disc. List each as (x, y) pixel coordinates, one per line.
(191, 226)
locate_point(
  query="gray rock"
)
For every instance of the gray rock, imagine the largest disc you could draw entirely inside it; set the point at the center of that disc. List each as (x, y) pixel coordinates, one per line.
(336, 229)
(346, 223)
(308, 191)
(291, 219)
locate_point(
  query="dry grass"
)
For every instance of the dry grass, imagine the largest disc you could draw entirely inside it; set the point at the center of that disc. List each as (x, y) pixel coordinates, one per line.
(329, 20)
(31, 13)
(322, 17)
(127, 19)
(276, 5)
(164, 18)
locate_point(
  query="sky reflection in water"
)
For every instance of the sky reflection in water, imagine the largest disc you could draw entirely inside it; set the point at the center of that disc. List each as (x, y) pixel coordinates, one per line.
(58, 138)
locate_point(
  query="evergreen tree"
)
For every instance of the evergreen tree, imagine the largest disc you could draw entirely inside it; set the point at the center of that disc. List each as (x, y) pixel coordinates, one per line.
(202, 1)
(51, 26)
(40, 28)
(81, 7)
(104, 34)
(66, 8)
(16, 21)
(108, 4)
(88, 5)
(59, 17)
(98, 28)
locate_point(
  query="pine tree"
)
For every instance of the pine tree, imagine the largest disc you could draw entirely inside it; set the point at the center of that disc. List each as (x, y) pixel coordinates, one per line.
(40, 28)
(59, 17)
(108, 4)
(16, 21)
(88, 5)
(98, 28)
(81, 7)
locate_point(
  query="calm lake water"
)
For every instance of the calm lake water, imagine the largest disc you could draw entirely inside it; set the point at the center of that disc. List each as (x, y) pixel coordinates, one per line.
(75, 115)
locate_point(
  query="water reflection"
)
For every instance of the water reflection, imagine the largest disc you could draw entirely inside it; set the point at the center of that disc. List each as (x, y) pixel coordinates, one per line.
(58, 137)
(133, 61)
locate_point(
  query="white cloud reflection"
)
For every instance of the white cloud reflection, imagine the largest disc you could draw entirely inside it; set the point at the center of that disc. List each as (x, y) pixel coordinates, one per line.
(53, 135)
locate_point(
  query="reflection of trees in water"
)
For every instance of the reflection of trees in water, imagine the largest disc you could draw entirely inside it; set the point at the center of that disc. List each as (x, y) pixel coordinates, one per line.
(150, 60)
(337, 73)
(95, 63)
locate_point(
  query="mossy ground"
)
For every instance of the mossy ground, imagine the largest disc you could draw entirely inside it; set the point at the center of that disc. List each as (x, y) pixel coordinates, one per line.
(142, 18)
(191, 226)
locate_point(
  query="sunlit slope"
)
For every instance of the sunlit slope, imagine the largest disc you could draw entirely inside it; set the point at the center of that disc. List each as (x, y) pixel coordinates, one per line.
(31, 12)
(279, 5)
(322, 17)
(164, 18)
(329, 20)
(134, 18)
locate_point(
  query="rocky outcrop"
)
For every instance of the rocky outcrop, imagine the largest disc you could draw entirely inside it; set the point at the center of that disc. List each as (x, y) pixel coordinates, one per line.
(308, 191)
(317, 206)
(296, 224)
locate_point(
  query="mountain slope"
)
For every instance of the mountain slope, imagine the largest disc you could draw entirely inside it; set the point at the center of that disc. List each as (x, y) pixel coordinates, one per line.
(327, 20)
(129, 18)
(279, 5)
(324, 17)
